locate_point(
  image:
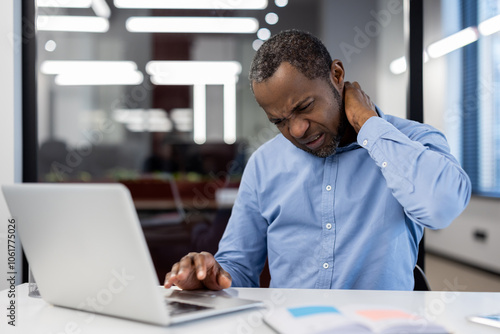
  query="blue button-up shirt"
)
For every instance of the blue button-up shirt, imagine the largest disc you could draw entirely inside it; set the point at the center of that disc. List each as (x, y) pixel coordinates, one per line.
(352, 220)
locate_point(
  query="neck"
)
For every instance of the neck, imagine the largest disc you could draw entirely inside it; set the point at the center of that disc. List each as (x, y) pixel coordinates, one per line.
(349, 136)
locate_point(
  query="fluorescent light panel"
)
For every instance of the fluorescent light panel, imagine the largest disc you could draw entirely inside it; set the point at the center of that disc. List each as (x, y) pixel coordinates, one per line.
(99, 79)
(140, 120)
(92, 73)
(182, 118)
(150, 127)
(225, 25)
(95, 66)
(452, 42)
(199, 74)
(192, 4)
(230, 113)
(64, 3)
(398, 66)
(72, 23)
(193, 72)
(490, 26)
(199, 114)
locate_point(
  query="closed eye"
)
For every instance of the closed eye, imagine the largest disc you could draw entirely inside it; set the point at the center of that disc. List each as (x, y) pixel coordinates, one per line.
(306, 106)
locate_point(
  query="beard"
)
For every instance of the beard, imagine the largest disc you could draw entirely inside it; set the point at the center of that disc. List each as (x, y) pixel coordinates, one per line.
(331, 148)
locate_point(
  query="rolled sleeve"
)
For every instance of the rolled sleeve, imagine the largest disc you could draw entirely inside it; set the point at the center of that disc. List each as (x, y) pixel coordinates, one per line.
(419, 169)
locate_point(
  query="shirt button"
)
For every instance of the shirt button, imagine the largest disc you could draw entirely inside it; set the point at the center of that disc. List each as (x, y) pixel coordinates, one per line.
(325, 265)
(365, 142)
(384, 164)
(329, 226)
(328, 187)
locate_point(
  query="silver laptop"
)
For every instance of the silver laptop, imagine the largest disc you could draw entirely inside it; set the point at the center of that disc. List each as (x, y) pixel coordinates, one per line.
(87, 251)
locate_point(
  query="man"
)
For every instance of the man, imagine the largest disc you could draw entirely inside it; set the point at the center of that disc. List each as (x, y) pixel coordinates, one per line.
(340, 198)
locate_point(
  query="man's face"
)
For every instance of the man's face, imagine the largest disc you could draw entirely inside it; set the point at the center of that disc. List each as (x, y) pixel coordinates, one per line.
(309, 113)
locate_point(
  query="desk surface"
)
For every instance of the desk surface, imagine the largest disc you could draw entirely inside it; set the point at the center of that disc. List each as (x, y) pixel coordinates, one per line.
(448, 308)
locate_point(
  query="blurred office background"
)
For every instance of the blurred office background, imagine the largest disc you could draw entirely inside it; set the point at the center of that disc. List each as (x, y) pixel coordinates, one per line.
(154, 94)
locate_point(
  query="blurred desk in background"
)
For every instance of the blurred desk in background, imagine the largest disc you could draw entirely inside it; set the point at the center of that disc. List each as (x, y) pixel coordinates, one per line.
(179, 217)
(201, 195)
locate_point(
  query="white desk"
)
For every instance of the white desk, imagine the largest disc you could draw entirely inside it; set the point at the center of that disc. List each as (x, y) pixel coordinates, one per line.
(447, 308)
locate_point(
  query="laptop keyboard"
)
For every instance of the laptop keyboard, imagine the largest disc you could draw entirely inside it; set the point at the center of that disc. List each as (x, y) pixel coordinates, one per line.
(176, 308)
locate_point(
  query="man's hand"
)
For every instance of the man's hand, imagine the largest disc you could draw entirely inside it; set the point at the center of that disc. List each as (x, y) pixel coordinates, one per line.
(198, 271)
(358, 106)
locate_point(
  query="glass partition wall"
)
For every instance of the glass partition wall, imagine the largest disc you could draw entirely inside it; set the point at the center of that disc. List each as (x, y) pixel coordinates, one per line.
(147, 90)
(132, 88)
(154, 94)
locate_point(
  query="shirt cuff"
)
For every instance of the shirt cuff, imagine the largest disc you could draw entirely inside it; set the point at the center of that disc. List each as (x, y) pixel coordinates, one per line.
(373, 129)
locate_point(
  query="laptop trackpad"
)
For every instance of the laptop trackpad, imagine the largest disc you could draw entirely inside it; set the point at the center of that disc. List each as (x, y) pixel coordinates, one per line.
(205, 298)
(177, 308)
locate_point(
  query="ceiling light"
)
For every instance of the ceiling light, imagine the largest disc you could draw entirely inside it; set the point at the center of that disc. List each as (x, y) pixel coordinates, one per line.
(264, 34)
(94, 66)
(72, 23)
(50, 46)
(94, 73)
(257, 44)
(199, 114)
(140, 120)
(192, 4)
(271, 18)
(241, 25)
(490, 26)
(229, 108)
(425, 57)
(199, 74)
(182, 118)
(398, 66)
(150, 127)
(193, 72)
(138, 115)
(64, 3)
(452, 42)
(99, 79)
(101, 8)
(281, 3)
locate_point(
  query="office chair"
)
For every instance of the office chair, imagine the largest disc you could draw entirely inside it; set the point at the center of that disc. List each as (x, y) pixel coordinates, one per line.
(421, 282)
(169, 218)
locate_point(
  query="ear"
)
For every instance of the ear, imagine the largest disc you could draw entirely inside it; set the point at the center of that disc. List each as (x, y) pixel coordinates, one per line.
(337, 74)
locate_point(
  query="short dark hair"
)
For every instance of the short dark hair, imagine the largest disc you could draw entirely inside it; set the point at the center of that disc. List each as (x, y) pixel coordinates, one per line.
(299, 48)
